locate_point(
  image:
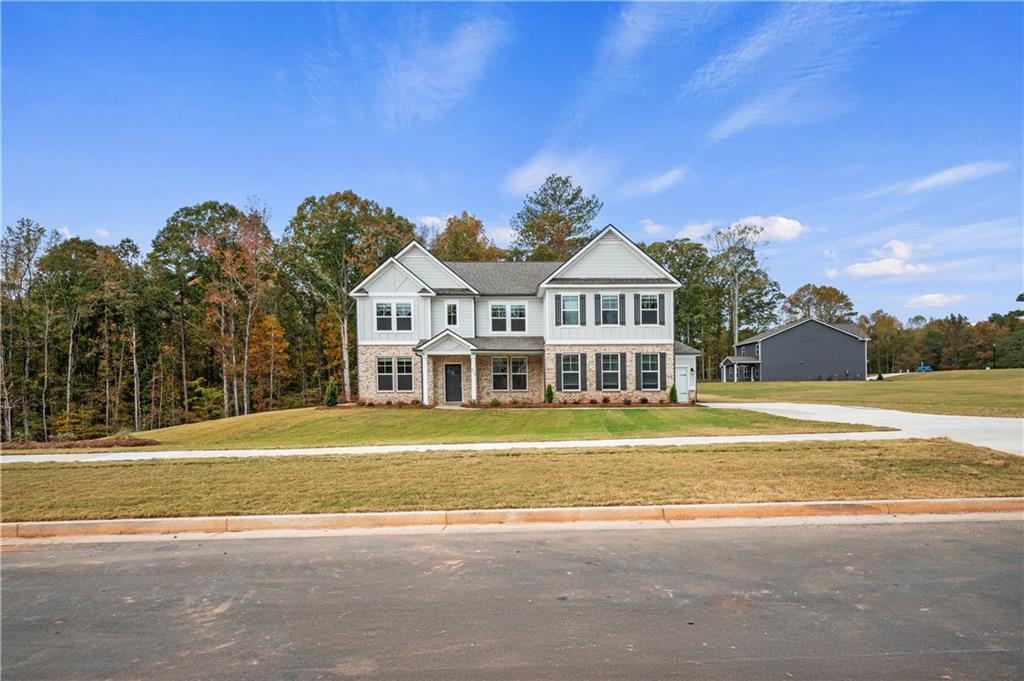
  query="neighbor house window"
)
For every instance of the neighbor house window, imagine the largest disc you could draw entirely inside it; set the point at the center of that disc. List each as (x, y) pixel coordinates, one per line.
(610, 372)
(383, 316)
(519, 373)
(650, 372)
(517, 317)
(403, 373)
(452, 314)
(499, 373)
(610, 309)
(570, 372)
(570, 310)
(385, 374)
(649, 309)
(403, 316)
(499, 315)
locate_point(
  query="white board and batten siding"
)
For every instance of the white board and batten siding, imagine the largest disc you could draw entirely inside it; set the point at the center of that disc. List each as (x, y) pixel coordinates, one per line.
(534, 316)
(610, 257)
(592, 333)
(366, 320)
(466, 326)
(434, 275)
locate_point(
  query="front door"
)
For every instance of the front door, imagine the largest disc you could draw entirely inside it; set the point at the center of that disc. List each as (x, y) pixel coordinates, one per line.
(452, 382)
(682, 382)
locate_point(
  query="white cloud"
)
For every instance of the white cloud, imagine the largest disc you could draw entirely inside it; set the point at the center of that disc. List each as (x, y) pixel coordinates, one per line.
(500, 232)
(432, 221)
(586, 168)
(64, 232)
(944, 178)
(102, 233)
(775, 227)
(892, 260)
(831, 273)
(830, 253)
(649, 186)
(651, 228)
(935, 300)
(695, 231)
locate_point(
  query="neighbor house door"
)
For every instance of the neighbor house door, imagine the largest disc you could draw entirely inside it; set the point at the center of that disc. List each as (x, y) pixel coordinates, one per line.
(452, 382)
(682, 381)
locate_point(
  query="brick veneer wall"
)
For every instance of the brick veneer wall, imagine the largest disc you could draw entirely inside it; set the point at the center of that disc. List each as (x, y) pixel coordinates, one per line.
(367, 358)
(534, 381)
(628, 391)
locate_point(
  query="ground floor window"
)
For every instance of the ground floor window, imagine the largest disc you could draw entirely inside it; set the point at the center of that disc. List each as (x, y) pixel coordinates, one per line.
(650, 371)
(499, 373)
(570, 371)
(518, 373)
(403, 373)
(385, 374)
(610, 372)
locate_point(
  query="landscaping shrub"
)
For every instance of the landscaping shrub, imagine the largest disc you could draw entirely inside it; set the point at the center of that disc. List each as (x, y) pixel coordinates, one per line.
(495, 402)
(549, 394)
(593, 401)
(331, 394)
(605, 400)
(881, 377)
(627, 401)
(644, 400)
(673, 395)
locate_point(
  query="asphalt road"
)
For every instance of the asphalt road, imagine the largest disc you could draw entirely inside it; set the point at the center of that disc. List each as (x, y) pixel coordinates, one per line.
(912, 601)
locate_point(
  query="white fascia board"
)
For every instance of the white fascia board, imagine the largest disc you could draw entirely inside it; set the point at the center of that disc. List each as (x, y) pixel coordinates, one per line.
(447, 333)
(416, 244)
(615, 230)
(380, 268)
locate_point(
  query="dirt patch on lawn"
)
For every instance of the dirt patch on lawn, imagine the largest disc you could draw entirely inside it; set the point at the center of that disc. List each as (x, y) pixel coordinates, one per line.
(100, 442)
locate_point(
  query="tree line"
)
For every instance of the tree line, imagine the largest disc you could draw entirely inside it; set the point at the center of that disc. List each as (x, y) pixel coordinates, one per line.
(219, 318)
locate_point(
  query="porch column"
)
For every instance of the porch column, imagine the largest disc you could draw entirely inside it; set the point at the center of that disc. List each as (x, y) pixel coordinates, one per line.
(735, 373)
(472, 376)
(424, 383)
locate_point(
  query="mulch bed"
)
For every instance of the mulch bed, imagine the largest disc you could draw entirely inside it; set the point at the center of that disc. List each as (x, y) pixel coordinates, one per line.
(76, 444)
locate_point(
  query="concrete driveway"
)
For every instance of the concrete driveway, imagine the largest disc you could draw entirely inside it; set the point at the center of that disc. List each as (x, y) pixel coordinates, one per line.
(1003, 434)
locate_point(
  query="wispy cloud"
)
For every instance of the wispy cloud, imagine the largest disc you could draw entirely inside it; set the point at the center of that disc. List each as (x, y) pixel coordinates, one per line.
(935, 300)
(695, 231)
(500, 232)
(432, 221)
(892, 260)
(588, 169)
(102, 233)
(775, 227)
(652, 228)
(656, 184)
(944, 178)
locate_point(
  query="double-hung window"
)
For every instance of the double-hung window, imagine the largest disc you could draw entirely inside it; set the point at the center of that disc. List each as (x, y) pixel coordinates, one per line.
(383, 316)
(451, 313)
(517, 317)
(499, 373)
(610, 372)
(403, 316)
(570, 372)
(650, 371)
(499, 317)
(570, 310)
(508, 317)
(403, 374)
(385, 374)
(610, 309)
(649, 309)
(518, 373)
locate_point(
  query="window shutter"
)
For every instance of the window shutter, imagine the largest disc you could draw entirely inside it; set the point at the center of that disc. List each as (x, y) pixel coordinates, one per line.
(622, 309)
(558, 310)
(583, 308)
(661, 309)
(636, 309)
(597, 309)
(622, 371)
(639, 384)
(598, 376)
(583, 371)
(558, 371)
(661, 363)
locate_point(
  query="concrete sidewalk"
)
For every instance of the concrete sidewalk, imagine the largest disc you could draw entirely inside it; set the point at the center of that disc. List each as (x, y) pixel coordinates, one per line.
(461, 447)
(1003, 434)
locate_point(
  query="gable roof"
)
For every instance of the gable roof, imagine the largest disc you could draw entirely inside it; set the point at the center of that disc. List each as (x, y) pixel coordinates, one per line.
(430, 256)
(446, 333)
(504, 278)
(360, 290)
(612, 229)
(848, 329)
(679, 348)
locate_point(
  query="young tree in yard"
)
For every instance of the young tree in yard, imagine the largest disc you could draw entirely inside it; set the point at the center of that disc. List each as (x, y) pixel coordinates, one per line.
(463, 238)
(555, 221)
(826, 303)
(269, 359)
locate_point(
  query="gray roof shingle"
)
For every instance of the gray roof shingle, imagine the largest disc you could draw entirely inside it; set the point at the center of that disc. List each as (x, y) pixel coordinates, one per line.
(848, 328)
(684, 349)
(504, 278)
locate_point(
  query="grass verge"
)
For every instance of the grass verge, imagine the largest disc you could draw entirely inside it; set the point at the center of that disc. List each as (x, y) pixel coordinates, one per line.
(380, 426)
(599, 477)
(971, 393)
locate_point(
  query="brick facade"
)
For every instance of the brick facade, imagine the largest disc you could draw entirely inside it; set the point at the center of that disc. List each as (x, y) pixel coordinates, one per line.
(628, 391)
(367, 358)
(534, 381)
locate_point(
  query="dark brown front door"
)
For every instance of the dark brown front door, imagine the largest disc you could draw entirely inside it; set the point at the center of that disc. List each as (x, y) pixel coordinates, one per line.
(452, 382)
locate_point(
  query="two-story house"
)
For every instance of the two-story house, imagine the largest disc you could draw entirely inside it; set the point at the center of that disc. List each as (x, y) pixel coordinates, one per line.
(597, 325)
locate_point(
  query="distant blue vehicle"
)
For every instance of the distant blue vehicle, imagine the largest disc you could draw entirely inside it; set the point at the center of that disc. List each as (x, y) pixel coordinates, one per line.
(924, 368)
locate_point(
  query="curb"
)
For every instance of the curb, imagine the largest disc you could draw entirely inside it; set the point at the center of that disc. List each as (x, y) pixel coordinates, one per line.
(341, 521)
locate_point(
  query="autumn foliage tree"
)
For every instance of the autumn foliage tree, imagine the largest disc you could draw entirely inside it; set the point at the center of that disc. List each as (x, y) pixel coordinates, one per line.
(463, 239)
(826, 303)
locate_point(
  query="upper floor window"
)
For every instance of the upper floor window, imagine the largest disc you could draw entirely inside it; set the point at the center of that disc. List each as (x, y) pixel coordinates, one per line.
(570, 310)
(403, 316)
(517, 317)
(508, 317)
(451, 312)
(610, 372)
(394, 316)
(383, 316)
(610, 312)
(499, 318)
(649, 309)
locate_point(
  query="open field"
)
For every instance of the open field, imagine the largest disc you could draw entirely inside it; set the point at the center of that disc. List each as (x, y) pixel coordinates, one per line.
(973, 393)
(396, 482)
(380, 426)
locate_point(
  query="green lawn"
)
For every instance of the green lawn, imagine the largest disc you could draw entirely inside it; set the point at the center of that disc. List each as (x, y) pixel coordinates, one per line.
(976, 393)
(567, 477)
(381, 426)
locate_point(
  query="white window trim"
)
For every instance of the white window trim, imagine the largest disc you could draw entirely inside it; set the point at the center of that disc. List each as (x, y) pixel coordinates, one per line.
(391, 374)
(656, 315)
(394, 315)
(412, 374)
(578, 372)
(458, 314)
(618, 307)
(618, 372)
(507, 374)
(526, 374)
(656, 371)
(580, 302)
(508, 318)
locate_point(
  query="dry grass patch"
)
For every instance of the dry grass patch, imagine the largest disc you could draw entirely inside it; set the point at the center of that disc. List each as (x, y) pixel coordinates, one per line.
(398, 482)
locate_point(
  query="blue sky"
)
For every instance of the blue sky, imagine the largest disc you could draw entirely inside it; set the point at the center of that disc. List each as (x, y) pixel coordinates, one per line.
(879, 145)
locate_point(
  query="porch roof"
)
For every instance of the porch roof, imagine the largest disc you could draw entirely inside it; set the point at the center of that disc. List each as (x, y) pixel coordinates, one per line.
(733, 359)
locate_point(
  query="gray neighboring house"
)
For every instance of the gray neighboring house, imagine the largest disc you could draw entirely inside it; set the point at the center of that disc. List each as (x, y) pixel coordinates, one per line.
(804, 350)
